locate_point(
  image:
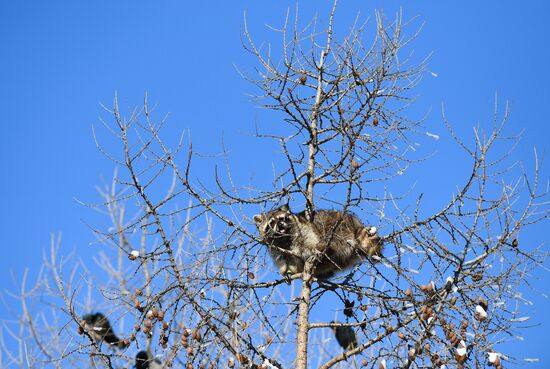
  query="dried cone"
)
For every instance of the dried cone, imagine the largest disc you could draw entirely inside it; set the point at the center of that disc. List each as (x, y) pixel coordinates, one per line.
(354, 164)
(132, 337)
(251, 275)
(138, 292)
(408, 292)
(230, 363)
(185, 344)
(453, 301)
(241, 358)
(161, 315)
(515, 242)
(164, 325)
(81, 326)
(363, 307)
(189, 366)
(460, 359)
(196, 335)
(481, 313)
(303, 79)
(190, 351)
(401, 335)
(268, 340)
(375, 121)
(186, 332)
(483, 303)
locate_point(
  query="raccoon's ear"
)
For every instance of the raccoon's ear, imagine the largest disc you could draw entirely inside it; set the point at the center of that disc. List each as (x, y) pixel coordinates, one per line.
(285, 208)
(258, 218)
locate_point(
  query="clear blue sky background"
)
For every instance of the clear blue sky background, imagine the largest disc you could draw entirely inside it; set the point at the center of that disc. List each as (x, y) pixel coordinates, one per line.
(58, 60)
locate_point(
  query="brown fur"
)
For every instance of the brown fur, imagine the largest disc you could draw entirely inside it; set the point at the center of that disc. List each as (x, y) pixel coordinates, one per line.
(337, 239)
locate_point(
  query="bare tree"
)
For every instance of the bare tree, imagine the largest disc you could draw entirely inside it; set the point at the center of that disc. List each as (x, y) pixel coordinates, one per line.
(184, 274)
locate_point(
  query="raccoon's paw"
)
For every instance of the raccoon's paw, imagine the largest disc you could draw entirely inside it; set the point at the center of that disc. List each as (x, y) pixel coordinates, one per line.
(371, 243)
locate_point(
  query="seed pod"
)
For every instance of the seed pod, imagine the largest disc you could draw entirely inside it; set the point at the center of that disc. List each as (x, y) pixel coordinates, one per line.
(268, 340)
(515, 242)
(147, 323)
(251, 275)
(483, 303)
(195, 335)
(408, 292)
(354, 164)
(375, 121)
(164, 325)
(453, 301)
(161, 315)
(138, 292)
(190, 351)
(303, 79)
(241, 358)
(81, 326)
(401, 335)
(186, 332)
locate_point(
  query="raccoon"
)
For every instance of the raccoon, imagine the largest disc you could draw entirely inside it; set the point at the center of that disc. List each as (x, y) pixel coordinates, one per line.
(338, 240)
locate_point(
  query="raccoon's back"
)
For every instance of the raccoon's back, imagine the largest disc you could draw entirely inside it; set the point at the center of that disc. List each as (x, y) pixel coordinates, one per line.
(336, 225)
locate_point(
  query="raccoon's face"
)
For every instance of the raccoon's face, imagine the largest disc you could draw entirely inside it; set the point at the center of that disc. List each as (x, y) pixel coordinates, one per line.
(274, 224)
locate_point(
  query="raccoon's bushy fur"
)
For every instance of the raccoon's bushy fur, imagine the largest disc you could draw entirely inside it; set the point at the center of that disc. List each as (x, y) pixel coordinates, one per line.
(338, 239)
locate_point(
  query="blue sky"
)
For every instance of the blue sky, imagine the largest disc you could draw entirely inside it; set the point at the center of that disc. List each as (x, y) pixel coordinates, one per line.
(59, 60)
